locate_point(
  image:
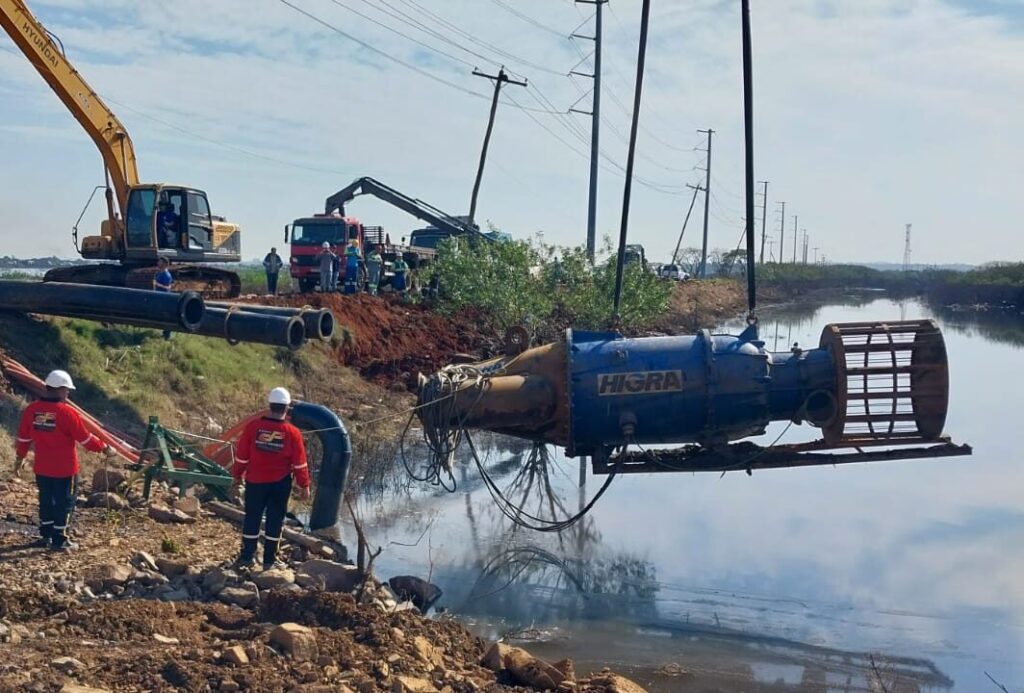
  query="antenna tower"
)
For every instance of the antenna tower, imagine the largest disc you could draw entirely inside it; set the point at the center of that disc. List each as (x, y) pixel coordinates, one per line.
(906, 251)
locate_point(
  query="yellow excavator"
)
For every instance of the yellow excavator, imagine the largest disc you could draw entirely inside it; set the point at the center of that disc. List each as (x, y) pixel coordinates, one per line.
(145, 221)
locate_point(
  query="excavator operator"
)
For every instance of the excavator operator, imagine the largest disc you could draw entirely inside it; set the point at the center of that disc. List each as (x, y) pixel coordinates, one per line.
(166, 225)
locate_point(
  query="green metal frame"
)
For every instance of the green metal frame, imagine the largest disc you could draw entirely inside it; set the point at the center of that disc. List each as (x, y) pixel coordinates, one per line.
(171, 449)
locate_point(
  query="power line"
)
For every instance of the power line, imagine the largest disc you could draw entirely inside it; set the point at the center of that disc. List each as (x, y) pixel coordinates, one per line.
(205, 138)
(527, 18)
(437, 19)
(219, 143)
(388, 56)
(403, 17)
(402, 34)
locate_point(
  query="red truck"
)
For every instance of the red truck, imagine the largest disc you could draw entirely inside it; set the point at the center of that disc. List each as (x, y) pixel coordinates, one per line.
(306, 237)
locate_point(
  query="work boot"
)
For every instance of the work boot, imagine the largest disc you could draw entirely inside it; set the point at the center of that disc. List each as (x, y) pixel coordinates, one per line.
(276, 565)
(65, 546)
(244, 562)
(40, 543)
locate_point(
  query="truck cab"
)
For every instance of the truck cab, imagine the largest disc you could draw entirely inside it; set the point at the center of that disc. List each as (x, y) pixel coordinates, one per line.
(306, 237)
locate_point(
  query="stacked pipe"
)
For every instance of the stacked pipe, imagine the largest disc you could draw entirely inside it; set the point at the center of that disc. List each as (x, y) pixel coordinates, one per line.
(179, 312)
(318, 322)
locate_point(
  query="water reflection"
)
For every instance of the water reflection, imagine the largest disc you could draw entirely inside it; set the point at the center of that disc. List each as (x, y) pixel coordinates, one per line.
(791, 575)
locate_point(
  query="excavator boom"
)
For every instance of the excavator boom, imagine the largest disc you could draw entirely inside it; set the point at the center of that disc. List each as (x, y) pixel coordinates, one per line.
(85, 105)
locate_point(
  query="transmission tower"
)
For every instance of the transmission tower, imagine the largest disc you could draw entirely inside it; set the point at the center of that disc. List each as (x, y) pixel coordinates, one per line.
(906, 251)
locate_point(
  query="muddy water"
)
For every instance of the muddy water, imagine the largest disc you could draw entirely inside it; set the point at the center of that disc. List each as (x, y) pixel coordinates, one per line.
(796, 580)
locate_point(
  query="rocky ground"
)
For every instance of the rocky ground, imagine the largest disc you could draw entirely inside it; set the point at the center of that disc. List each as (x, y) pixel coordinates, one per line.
(149, 602)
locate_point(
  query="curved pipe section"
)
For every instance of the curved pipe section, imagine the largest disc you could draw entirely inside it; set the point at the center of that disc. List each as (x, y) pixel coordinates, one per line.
(337, 453)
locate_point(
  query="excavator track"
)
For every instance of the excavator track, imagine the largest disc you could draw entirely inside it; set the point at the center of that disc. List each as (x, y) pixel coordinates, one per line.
(210, 282)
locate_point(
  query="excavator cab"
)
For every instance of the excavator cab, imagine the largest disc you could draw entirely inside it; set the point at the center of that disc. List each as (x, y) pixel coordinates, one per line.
(165, 221)
(175, 221)
(161, 221)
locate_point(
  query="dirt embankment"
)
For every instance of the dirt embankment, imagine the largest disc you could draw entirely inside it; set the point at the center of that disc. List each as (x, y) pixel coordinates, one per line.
(702, 303)
(387, 340)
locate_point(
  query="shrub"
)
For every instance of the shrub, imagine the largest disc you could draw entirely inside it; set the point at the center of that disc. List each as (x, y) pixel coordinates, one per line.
(530, 283)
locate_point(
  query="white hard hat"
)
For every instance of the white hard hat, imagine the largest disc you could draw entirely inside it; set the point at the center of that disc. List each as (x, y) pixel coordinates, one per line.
(280, 395)
(325, 244)
(59, 379)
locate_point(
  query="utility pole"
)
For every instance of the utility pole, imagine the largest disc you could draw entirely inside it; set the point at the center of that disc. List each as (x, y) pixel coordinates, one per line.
(804, 248)
(782, 227)
(815, 254)
(771, 250)
(764, 216)
(499, 79)
(906, 251)
(696, 189)
(795, 236)
(707, 204)
(595, 124)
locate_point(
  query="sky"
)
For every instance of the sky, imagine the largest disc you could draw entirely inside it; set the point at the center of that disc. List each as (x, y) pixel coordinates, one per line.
(869, 114)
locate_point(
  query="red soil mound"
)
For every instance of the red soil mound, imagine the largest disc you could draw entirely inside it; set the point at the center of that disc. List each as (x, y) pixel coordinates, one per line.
(385, 339)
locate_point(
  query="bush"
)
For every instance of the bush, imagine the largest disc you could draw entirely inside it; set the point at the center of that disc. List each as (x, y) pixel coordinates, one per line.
(531, 283)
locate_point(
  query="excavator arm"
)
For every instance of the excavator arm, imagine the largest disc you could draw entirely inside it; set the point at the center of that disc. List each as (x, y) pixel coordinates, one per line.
(85, 105)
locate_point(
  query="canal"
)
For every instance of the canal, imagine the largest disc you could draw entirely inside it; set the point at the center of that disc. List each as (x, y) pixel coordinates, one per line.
(906, 573)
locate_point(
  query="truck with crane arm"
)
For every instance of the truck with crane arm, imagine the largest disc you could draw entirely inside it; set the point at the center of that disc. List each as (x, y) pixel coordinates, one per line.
(306, 235)
(145, 221)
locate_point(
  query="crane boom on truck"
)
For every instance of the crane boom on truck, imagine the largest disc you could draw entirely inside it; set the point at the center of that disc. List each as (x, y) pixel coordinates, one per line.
(334, 226)
(145, 221)
(444, 222)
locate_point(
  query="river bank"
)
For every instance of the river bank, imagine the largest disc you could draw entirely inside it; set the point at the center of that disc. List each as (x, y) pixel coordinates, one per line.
(150, 605)
(999, 285)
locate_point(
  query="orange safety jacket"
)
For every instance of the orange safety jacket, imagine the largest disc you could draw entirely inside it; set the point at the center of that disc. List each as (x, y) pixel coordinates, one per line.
(54, 428)
(268, 451)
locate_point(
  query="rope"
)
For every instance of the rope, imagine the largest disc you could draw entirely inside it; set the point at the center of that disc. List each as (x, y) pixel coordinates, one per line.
(438, 410)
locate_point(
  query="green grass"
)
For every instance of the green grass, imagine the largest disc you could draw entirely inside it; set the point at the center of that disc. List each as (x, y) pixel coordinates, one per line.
(254, 280)
(126, 374)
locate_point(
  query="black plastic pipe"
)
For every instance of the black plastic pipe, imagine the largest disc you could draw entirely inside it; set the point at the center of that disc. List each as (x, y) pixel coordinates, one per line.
(235, 326)
(337, 454)
(319, 322)
(110, 304)
(244, 326)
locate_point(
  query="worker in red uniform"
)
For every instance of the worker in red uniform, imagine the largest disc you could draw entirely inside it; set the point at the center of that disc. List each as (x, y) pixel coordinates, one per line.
(54, 428)
(270, 450)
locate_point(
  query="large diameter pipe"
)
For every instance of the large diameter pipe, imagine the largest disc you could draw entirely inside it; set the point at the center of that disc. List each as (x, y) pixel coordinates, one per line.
(233, 325)
(332, 476)
(319, 322)
(245, 326)
(111, 304)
